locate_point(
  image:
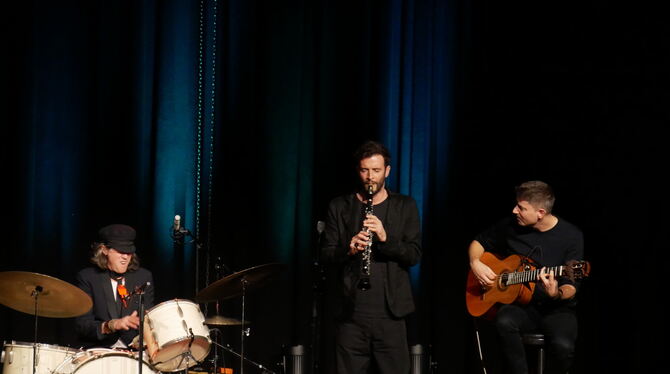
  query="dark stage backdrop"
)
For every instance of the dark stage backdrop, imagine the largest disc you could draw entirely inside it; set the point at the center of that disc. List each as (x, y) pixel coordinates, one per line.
(241, 117)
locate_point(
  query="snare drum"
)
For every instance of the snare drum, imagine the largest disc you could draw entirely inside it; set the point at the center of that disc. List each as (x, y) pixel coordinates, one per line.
(176, 336)
(103, 361)
(18, 357)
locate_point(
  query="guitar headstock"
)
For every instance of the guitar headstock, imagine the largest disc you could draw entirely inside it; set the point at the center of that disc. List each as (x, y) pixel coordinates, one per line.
(577, 269)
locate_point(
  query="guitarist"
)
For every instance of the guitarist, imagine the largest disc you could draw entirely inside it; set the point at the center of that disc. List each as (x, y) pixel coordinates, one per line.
(534, 232)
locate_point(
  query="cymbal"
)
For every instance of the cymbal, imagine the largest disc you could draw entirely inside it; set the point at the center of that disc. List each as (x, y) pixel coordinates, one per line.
(56, 298)
(224, 321)
(231, 285)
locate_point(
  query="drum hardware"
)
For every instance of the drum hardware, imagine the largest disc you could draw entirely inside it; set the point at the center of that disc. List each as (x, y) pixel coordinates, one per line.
(57, 299)
(215, 357)
(219, 320)
(42, 295)
(244, 332)
(261, 367)
(176, 336)
(238, 284)
(230, 286)
(102, 361)
(187, 355)
(18, 357)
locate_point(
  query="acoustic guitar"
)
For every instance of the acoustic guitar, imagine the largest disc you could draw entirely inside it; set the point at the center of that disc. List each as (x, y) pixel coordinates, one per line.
(514, 283)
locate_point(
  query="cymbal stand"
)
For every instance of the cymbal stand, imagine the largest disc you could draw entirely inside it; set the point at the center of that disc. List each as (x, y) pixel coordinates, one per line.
(36, 293)
(215, 357)
(244, 331)
(219, 266)
(242, 359)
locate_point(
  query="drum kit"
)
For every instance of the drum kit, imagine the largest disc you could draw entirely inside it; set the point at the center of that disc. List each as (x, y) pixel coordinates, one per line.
(176, 334)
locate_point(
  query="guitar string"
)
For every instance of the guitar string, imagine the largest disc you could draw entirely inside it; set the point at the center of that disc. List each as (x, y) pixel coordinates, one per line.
(528, 275)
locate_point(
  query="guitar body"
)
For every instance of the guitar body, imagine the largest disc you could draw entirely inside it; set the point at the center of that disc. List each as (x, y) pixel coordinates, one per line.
(481, 300)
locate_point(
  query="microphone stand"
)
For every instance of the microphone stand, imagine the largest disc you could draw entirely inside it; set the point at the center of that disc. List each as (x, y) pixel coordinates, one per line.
(178, 233)
(316, 299)
(140, 359)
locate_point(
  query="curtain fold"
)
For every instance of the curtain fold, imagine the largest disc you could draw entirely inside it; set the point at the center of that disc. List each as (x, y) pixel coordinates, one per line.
(241, 117)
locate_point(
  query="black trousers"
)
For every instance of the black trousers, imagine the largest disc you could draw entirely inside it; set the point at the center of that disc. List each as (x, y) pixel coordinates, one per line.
(559, 328)
(362, 343)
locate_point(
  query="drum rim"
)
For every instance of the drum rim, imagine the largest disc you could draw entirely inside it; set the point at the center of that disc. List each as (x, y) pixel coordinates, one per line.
(85, 353)
(19, 343)
(104, 350)
(177, 301)
(129, 355)
(178, 340)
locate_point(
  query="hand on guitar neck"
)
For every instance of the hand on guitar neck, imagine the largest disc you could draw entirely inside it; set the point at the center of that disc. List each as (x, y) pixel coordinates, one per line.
(549, 280)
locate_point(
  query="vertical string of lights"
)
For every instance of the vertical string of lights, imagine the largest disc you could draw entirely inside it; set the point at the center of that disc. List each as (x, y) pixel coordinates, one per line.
(205, 134)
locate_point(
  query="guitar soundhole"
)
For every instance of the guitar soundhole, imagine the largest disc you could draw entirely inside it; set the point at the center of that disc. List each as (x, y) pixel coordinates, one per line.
(502, 281)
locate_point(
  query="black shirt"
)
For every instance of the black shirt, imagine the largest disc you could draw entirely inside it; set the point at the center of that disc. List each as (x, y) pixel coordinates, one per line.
(372, 302)
(554, 247)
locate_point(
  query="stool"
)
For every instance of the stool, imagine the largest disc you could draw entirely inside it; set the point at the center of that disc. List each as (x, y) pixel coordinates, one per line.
(536, 340)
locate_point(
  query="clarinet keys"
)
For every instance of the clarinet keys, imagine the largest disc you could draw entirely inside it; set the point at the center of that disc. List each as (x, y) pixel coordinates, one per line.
(366, 255)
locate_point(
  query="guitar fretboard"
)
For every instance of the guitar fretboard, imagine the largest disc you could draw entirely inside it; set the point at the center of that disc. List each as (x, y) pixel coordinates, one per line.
(528, 275)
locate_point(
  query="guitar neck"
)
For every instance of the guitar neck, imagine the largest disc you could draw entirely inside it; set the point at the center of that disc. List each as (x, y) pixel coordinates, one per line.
(529, 275)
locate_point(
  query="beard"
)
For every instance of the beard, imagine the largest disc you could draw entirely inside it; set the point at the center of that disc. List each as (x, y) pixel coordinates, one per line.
(376, 187)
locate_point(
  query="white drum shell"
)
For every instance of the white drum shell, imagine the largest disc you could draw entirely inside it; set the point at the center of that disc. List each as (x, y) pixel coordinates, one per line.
(18, 357)
(103, 361)
(169, 328)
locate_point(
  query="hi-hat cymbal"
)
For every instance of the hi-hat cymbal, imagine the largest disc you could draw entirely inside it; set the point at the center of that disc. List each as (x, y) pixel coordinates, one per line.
(224, 321)
(232, 285)
(55, 298)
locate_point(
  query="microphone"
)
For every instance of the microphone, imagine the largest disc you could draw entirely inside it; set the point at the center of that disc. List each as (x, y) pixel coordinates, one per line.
(176, 224)
(140, 289)
(320, 226)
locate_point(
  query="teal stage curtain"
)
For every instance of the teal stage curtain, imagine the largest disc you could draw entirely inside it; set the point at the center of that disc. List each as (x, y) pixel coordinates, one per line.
(241, 117)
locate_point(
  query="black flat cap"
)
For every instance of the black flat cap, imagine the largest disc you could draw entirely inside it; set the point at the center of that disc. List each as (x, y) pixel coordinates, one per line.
(119, 237)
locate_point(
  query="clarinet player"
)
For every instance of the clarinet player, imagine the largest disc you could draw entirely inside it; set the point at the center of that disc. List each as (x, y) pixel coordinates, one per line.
(374, 236)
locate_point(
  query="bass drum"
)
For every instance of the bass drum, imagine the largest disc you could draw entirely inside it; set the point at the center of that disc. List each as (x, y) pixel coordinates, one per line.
(17, 357)
(103, 361)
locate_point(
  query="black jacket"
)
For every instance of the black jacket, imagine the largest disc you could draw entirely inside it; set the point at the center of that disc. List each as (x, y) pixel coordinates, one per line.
(402, 248)
(97, 284)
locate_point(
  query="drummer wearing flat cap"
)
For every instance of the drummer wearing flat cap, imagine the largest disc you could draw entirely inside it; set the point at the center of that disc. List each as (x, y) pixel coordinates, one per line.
(113, 284)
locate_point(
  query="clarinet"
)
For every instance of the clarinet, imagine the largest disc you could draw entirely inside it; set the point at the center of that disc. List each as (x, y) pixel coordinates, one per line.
(364, 281)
